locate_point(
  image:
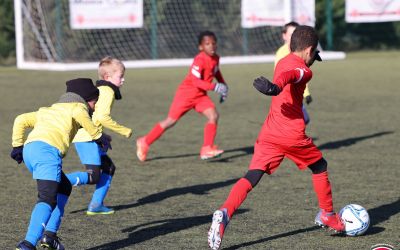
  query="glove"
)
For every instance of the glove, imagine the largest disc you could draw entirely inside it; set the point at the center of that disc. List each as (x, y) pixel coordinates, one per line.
(265, 86)
(104, 142)
(308, 99)
(16, 154)
(221, 88)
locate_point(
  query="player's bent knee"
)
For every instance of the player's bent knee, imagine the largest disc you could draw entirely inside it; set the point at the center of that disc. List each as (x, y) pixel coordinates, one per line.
(65, 186)
(107, 166)
(47, 192)
(319, 167)
(254, 176)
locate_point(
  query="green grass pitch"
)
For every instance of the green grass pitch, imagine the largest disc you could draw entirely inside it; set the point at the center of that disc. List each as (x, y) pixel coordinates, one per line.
(167, 202)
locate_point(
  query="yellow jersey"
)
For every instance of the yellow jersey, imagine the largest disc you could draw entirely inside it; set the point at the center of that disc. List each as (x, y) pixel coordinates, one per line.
(55, 125)
(102, 116)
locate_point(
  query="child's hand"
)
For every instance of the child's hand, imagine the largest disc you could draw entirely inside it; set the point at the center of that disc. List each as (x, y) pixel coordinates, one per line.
(16, 154)
(265, 86)
(222, 89)
(308, 99)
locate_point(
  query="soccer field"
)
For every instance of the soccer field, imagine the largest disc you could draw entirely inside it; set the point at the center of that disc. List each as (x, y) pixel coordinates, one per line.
(167, 202)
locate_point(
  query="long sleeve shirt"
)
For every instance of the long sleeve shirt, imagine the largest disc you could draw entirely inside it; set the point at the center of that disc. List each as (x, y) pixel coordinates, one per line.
(55, 125)
(102, 116)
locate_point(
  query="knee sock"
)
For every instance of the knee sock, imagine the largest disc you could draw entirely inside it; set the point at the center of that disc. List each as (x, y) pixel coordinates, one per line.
(39, 217)
(78, 178)
(55, 219)
(154, 134)
(237, 195)
(210, 130)
(322, 188)
(101, 190)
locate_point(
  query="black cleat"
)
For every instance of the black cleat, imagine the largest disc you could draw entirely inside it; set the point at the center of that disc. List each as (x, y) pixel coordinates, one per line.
(51, 242)
(25, 245)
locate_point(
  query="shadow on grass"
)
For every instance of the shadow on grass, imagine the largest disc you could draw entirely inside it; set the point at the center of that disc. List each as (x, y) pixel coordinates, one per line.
(153, 198)
(350, 141)
(245, 150)
(377, 215)
(150, 230)
(274, 237)
(381, 214)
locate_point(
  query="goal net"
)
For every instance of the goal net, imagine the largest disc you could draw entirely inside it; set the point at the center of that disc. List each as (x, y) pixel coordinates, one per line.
(168, 37)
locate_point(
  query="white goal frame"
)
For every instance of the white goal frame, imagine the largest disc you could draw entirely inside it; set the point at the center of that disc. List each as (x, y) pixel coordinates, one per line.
(57, 66)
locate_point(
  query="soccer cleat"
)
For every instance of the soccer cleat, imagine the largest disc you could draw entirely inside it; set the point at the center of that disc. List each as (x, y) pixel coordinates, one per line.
(331, 220)
(51, 242)
(209, 152)
(25, 245)
(219, 222)
(142, 148)
(99, 210)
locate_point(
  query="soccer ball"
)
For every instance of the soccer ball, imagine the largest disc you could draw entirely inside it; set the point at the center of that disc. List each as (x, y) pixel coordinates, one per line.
(356, 219)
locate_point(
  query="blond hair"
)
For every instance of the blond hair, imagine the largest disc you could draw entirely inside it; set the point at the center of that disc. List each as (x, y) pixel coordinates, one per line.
(109, 65)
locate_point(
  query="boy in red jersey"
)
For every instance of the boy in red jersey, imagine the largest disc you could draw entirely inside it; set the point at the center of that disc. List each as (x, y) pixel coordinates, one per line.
(192, 94)
(283, 135)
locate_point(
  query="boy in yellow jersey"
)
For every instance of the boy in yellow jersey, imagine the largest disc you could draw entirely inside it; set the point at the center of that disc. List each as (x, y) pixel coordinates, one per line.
(283, 51)
(43, 150)
(99, 166)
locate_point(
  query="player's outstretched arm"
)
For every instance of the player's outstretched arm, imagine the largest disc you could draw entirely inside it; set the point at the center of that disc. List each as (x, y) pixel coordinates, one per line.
(266, 87)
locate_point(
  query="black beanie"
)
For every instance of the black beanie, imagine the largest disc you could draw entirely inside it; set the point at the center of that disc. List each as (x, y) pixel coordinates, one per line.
(83, 87)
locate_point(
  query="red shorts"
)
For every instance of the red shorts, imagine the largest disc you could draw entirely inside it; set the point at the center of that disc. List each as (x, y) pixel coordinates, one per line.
(181, 105)
(268, 156)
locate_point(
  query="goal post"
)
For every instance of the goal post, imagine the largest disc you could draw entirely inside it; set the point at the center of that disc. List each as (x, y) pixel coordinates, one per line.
(168, 36)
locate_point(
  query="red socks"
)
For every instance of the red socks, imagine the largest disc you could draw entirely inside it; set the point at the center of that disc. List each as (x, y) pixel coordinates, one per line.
(154, 134)
(237, 195)
(322, 188)
(210, 130)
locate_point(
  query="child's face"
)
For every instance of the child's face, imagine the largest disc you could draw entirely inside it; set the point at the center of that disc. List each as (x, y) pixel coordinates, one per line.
(116, 78)
(208, 45)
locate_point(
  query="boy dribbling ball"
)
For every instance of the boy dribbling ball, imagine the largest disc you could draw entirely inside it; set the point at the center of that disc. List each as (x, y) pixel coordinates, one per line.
(283, 135)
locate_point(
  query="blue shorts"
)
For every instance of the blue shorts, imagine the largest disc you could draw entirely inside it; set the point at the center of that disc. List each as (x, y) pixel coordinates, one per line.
(89, 152)
(43, 161)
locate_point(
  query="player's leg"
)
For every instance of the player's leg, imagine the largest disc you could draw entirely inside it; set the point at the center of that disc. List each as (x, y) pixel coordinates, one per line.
(178, 108)
(206, 107)
(89, 154)
(96, 205)
(50, 239)
(322, 187)
(44, 162)
(306, 155)
(266, 159)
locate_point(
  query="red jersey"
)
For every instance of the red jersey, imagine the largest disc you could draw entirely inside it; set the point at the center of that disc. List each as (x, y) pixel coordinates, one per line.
(284, 123)
(200, 76)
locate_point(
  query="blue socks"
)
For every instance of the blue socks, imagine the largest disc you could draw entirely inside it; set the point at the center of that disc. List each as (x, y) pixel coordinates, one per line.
(55, 220)
(78, 178)
(101, 190)
(39, 218)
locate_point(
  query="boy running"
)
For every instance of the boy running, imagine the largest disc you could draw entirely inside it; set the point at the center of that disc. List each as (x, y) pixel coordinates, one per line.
(192, 94)
(100, 168)
(43, 150)
(283, 135)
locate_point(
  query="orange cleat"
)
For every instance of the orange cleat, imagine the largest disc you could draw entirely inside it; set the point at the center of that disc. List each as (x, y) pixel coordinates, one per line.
(142, 148)
(331, 220)
(209, 152)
